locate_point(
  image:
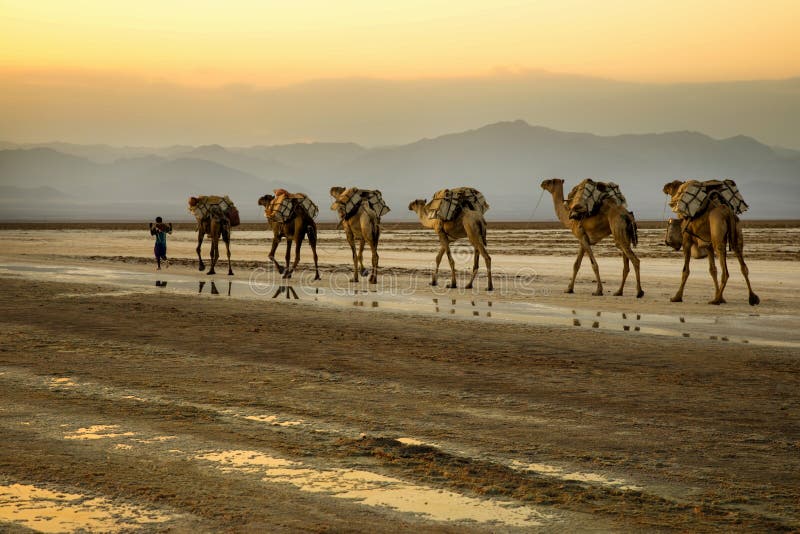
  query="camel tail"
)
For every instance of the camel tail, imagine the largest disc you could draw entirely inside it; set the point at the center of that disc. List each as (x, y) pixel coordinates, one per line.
(632, 229)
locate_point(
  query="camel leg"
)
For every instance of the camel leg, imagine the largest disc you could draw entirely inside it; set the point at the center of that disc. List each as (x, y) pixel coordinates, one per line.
(276, 239)
(298, 243)
(214, 251)
(351, 240)
(476, 259)
(628, 255)
(452, 263)
(478, 241)
(361, 244)
(595, 267)
(200, 235)
(373, 277)
(288, 272)
(312, 241)
(227, 237)
(575, 268)
(442, 248)
(712, 269)
(636, 264)
(753, 298)
(687, 255)
(723, 263)
(625, 270)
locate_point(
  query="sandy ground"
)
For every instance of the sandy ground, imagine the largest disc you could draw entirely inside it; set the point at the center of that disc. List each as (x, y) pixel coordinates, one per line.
(131, 406)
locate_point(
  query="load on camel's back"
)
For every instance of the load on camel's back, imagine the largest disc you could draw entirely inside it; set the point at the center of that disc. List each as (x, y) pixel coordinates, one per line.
(691, 198)
(348, 201)
(215, 217)
(448, 203)
(204, 206)
(279, 209)
(586, 198)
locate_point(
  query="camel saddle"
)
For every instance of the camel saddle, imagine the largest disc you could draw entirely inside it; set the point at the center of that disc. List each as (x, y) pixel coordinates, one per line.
(586, 198)
(203, 207)
(348, 202)
(448, 203)
(693, 197)
(281, 207)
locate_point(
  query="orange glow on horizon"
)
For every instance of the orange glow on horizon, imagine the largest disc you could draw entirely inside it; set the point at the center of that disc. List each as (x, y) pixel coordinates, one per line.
(272, 43)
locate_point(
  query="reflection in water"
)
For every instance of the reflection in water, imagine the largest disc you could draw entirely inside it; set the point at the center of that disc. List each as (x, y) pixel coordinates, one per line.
(201, 284)
(289, 290)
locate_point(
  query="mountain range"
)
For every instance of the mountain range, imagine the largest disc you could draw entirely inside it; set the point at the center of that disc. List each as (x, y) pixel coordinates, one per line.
(505, 160)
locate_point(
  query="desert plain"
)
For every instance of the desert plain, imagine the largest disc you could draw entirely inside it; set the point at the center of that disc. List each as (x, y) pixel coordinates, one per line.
(136, 400)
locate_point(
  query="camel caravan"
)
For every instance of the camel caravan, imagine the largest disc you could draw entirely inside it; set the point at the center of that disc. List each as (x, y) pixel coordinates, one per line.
(707, 226)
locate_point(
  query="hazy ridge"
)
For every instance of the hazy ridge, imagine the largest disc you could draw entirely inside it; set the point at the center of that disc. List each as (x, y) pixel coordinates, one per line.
(506, 160)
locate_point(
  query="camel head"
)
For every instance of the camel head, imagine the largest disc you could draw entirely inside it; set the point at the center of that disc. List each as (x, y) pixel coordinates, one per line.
(417, 205)
(672, 187)
(192, 202)
(674, 236)
(551, 184)
(265, 200)
(336, 191)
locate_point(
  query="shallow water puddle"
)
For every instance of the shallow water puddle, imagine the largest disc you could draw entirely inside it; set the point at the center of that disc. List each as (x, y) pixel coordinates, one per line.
(372, 489)
(43, 510)
(761, 330)
(98, 432)
(272, 420)
(591, 478)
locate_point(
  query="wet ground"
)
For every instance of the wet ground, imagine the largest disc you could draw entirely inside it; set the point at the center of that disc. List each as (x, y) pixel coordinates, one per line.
(755, 327)
(143, 400)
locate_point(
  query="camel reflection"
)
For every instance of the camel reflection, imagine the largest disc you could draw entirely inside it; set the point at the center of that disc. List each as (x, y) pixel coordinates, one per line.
(288, 290)
(213, 287)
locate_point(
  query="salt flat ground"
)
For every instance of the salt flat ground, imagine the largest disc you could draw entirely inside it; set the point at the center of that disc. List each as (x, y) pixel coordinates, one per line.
(225, 403)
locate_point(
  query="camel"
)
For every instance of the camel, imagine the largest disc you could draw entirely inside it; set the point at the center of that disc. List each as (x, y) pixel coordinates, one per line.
(714, 230)
(294, 228)
(364, 226)
(612, 219)
(468, 223)
(215, 225)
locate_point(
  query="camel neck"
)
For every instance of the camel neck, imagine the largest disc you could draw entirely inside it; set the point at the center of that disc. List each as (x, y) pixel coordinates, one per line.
(423, 218)
(561, 210)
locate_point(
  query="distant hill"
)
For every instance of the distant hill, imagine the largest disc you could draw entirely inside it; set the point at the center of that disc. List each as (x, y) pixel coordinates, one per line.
(506, 160)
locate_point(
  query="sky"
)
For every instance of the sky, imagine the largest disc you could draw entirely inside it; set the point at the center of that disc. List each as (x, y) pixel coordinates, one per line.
(110, 57)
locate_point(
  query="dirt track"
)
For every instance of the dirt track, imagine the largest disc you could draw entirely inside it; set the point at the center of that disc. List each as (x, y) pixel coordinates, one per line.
(665, 433)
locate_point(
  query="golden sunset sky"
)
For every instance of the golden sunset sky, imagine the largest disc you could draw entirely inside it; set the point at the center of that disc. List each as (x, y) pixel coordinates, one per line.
(275, 43)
